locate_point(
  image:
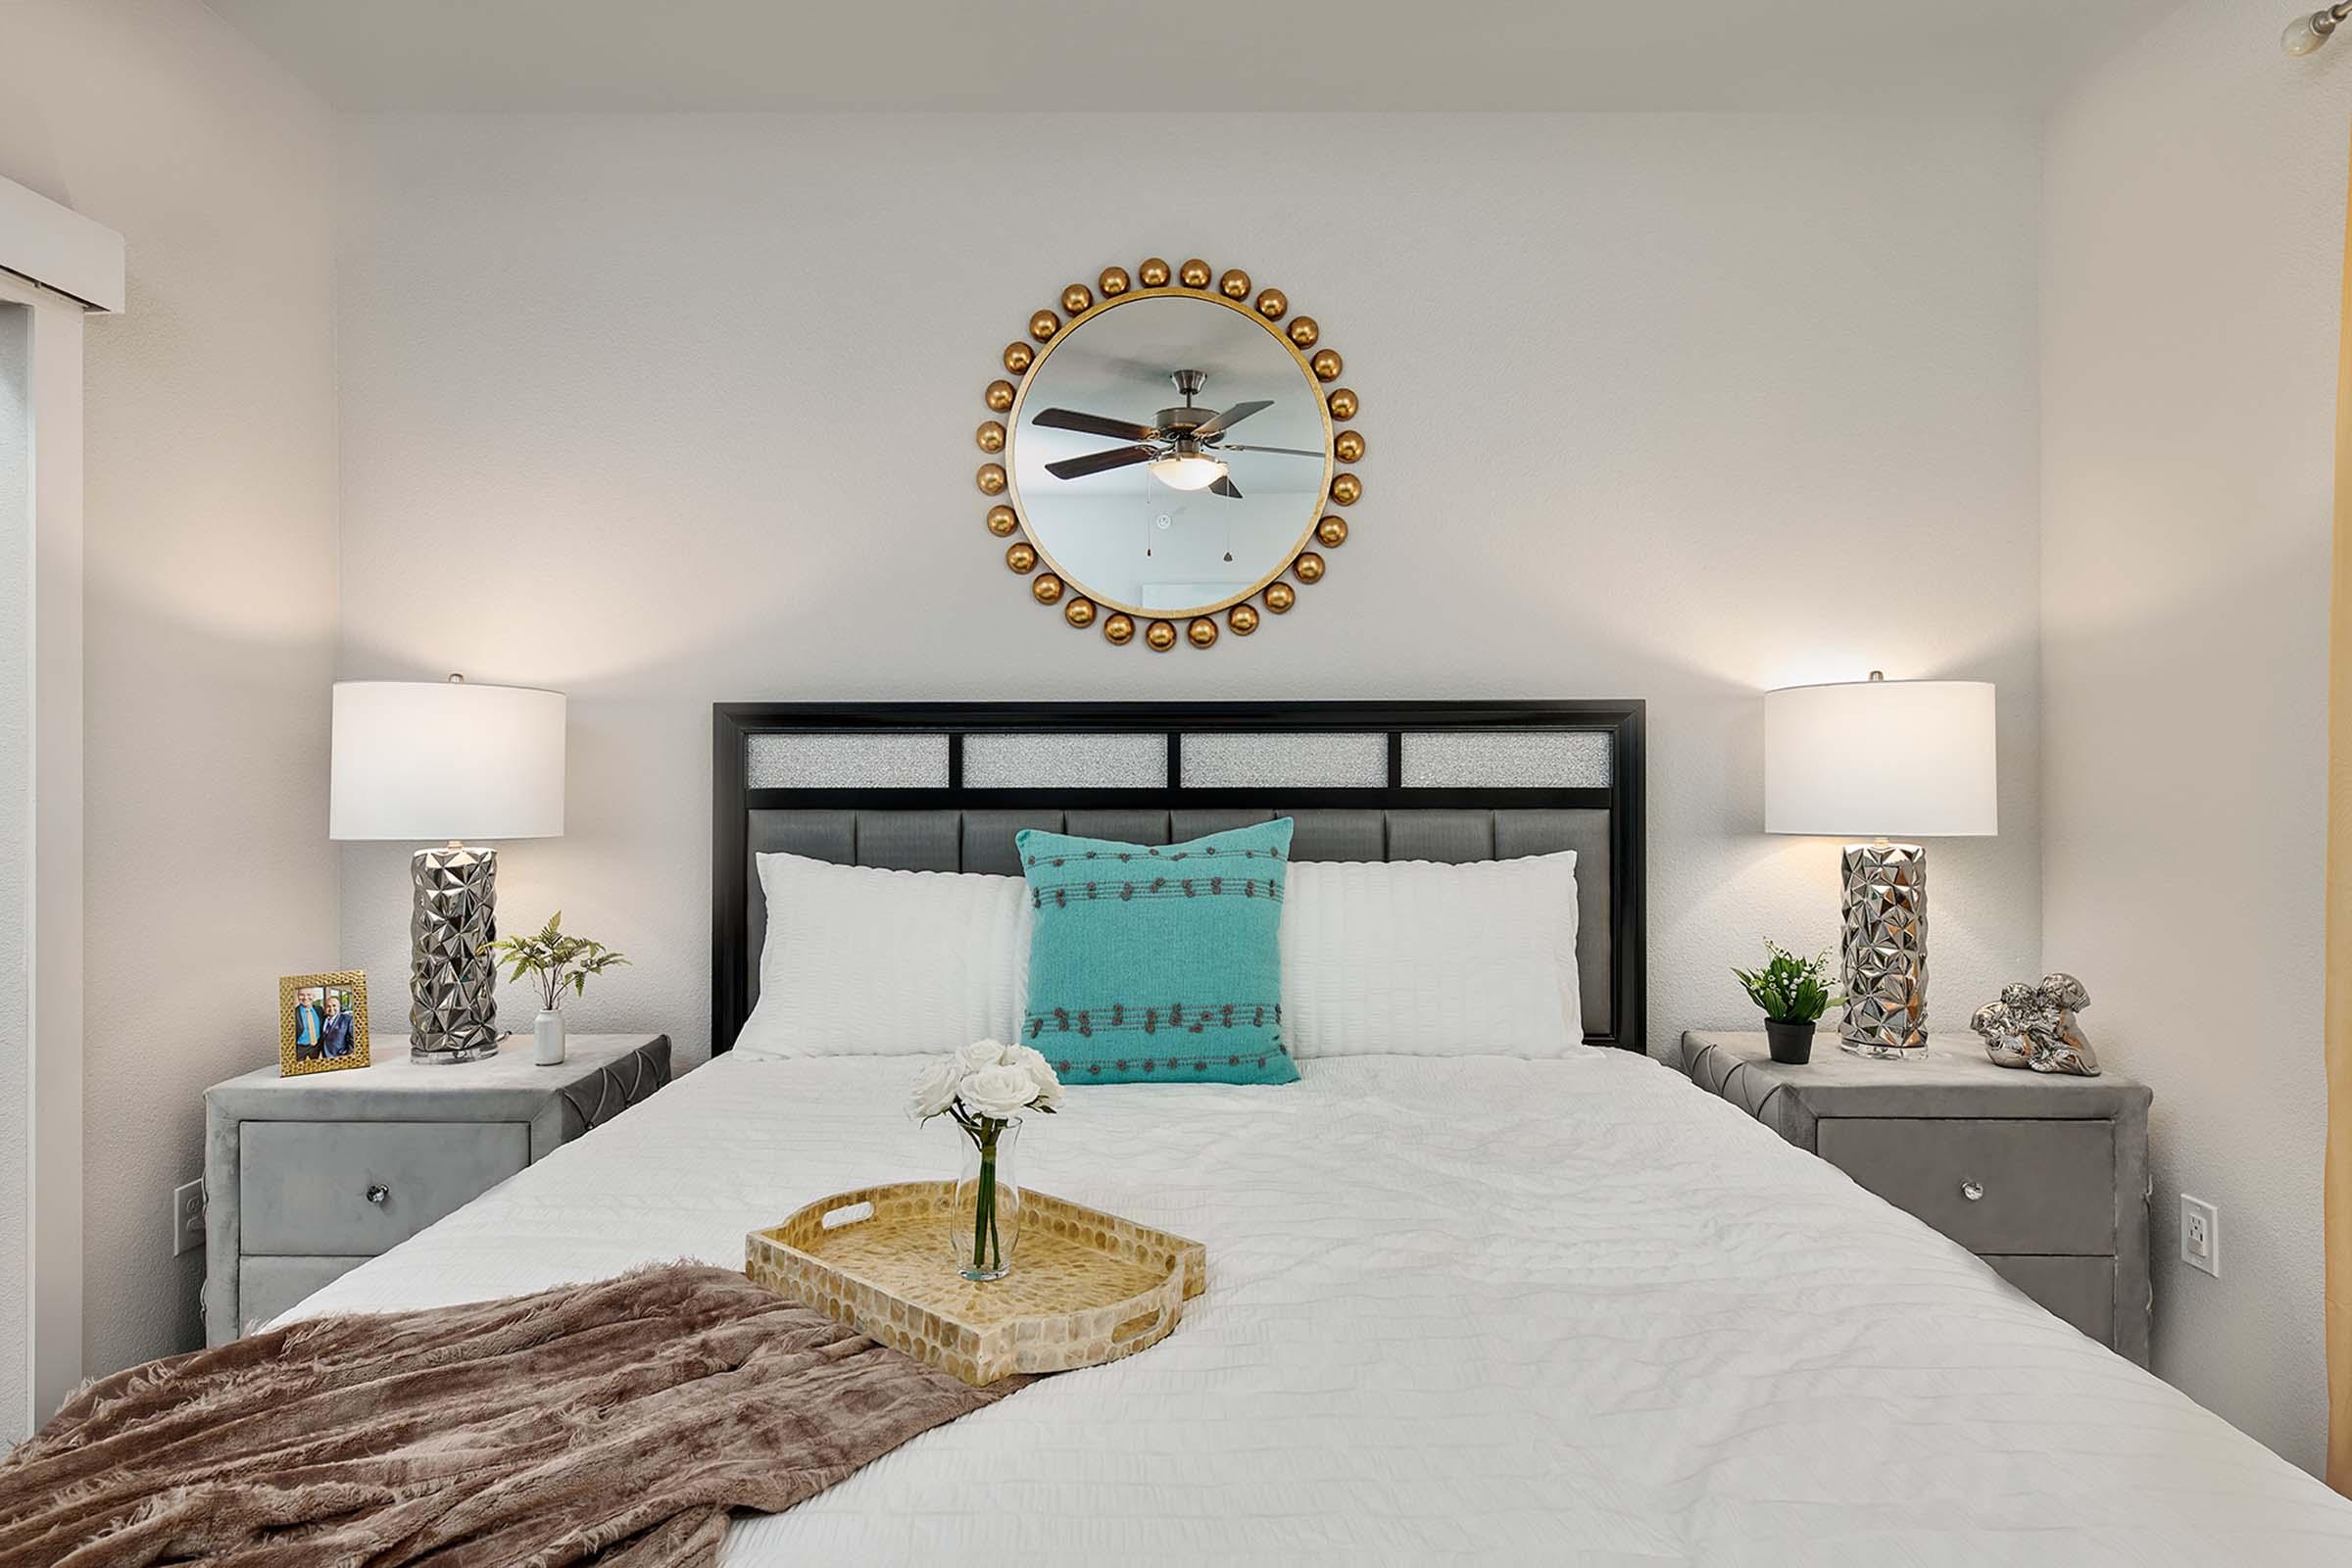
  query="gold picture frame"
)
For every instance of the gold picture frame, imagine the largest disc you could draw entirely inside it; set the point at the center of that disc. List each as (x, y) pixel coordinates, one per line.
(1078, 603)
(306, 1046)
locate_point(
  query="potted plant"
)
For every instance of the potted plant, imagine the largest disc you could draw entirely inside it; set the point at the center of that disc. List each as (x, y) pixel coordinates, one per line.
(1793, 993)
(555, 964)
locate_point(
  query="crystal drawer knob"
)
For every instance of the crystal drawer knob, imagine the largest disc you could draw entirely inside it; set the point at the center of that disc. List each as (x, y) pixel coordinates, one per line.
(378, 1194)
(1971, 1188)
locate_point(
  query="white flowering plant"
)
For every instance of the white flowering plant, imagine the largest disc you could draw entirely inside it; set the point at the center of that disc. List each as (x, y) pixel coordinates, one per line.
(984, 1088)
(986, 1081)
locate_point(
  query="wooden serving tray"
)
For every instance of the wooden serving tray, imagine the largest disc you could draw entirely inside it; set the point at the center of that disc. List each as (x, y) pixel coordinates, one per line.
(1086, 1286)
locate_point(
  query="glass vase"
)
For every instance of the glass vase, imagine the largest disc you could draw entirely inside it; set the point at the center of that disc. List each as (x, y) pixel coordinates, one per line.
(984, 1214)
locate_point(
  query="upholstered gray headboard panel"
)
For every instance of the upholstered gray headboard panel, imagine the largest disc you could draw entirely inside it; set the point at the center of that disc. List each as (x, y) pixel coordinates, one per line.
(944, 787)
(982, 841)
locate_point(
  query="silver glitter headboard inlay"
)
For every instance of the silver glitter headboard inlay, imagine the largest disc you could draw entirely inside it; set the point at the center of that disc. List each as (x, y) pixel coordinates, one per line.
(821, 760)
(1046, 761)
(1242, 760)
(1507, 760)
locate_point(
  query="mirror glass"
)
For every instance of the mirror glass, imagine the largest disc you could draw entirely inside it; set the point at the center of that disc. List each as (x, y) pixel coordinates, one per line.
(1169, 454)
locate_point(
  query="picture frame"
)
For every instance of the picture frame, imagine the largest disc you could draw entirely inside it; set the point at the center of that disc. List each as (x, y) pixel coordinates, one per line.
(321, 1022)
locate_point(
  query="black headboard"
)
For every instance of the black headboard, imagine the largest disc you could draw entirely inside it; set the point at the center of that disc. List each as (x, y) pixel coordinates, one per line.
(943, 785)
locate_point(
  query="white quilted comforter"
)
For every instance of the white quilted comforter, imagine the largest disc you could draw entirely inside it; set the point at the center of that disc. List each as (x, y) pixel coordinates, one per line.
(1564, 1311)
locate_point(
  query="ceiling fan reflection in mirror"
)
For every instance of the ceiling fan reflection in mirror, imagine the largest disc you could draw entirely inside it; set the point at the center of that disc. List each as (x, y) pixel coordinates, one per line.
(1180, 450)
(1257, 390)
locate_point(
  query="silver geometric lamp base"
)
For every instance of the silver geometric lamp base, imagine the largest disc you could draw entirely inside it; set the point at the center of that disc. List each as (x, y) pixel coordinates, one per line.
(452, 1001)
(1884, 950)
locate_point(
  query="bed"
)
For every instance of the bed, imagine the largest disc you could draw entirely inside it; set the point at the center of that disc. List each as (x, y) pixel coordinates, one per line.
(1461, 1307)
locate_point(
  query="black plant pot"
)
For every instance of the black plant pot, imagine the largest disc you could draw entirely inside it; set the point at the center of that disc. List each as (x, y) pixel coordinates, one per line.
(1791, 1043)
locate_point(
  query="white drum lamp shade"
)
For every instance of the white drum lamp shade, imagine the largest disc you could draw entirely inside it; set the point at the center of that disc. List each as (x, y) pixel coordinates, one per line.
(1881, 760)
(431, 761)
(438, 762)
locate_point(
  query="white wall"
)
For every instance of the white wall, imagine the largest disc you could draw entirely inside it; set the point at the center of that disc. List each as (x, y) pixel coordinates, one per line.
(663, 411)
(2193, 213)
(209, 519)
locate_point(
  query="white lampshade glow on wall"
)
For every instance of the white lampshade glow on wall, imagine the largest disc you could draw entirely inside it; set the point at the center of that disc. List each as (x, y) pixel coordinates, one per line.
(445, 760)
(1881, 758)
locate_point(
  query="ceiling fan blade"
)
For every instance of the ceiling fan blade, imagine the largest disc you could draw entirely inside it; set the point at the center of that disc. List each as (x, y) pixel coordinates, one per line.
(1296, 452)
(1229, 419)
(1227, 488)
(1097, 461)
(1093, 424)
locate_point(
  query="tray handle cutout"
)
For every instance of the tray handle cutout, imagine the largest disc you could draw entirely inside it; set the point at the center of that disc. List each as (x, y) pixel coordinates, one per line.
(834, 1219)
(1138, 1328)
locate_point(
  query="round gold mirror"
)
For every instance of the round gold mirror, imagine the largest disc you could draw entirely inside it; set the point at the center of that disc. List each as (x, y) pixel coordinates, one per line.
(1168, 446)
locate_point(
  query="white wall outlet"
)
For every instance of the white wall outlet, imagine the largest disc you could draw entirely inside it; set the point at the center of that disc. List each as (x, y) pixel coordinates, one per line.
(2200, 1234)
(187, 1217)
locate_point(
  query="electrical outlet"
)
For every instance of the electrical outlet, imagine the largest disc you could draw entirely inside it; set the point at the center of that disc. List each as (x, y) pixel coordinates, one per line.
(187, 1217)
(2200, 1234)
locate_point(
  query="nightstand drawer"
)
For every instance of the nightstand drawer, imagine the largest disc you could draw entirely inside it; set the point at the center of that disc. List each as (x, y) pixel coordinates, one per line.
(268, 1286)
(305, 1186)
(2044, 1186)
(2078, 1290)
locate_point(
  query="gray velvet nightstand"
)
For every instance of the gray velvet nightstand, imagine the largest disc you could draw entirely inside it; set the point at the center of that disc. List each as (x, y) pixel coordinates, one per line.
(2044, 1177)
(306, 1178)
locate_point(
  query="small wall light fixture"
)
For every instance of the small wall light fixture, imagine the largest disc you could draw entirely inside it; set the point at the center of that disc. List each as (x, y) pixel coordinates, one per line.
(2306, 34)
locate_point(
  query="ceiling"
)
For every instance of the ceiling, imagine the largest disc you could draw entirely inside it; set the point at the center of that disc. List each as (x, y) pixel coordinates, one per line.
(1185, 58)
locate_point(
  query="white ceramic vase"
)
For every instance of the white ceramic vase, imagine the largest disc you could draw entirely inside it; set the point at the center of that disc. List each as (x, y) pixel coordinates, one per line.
(547, 1037)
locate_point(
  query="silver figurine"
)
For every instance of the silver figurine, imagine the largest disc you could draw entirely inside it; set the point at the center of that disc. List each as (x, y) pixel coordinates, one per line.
(2033, 1027)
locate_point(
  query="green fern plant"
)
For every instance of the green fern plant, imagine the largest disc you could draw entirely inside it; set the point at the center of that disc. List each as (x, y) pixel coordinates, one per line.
(554, 961)
(1790, 989)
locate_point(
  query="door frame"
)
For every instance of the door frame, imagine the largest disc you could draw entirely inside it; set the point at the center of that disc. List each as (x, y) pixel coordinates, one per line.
(58, 265)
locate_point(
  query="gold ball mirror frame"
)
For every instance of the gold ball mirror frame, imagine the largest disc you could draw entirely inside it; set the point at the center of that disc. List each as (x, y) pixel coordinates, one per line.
(1166, 448)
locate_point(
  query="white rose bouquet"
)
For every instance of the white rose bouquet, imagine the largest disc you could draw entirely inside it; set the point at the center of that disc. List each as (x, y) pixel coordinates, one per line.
(985, 1087)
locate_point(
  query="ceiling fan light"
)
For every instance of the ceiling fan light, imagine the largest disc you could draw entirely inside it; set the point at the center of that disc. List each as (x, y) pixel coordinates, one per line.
(1188, 473)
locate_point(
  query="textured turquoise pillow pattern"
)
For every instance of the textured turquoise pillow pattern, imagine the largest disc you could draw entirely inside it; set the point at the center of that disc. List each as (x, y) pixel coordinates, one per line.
(1150, 962)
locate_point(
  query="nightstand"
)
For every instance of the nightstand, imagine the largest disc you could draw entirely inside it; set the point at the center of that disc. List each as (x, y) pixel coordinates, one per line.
(306, 1178)
(2044, 1177)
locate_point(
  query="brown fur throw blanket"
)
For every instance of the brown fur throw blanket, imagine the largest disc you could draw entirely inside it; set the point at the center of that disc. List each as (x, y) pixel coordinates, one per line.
(613, 1423)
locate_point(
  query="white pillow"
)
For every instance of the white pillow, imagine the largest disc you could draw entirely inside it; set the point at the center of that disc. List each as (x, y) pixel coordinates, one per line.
(863, 961)
(1418, 958)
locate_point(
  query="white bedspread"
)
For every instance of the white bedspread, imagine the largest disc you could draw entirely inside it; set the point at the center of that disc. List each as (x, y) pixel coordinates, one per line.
(1522, 1312)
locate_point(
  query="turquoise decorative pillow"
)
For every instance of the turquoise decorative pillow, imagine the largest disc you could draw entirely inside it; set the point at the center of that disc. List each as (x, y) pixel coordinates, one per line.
(1148, 963)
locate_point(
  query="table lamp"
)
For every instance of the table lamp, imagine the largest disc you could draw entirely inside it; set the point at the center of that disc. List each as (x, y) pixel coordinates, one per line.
(450, 762)
(1893, 760)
